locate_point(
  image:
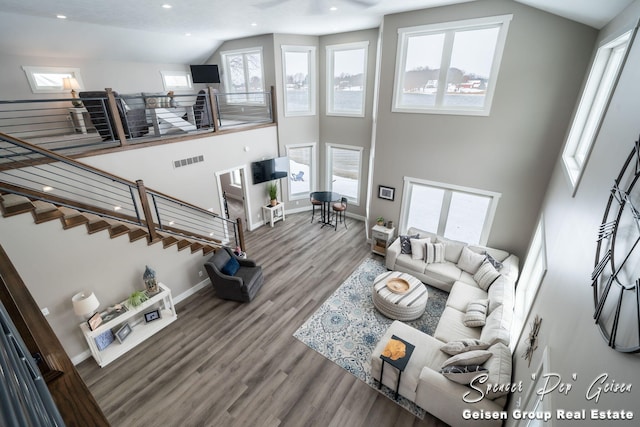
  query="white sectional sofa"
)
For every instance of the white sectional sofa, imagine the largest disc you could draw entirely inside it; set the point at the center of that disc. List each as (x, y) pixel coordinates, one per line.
(423, 381)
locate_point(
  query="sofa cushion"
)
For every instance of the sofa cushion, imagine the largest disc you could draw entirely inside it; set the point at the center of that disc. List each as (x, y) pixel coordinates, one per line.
(476, 313)
(468, 279)
(462, 346)
(220, 258)
(499, 366)
(493, 331)
(496, 264)
(473, 357)
(497, 254)
(405, 242)
(470, 261)
(418, 247)
(443, 271)
(501, 292)
(434, 252)
(405, 260)
(486, 275)
(231, 267)
(463, 374)
(452, 249)
(462, 294)
(450, 327)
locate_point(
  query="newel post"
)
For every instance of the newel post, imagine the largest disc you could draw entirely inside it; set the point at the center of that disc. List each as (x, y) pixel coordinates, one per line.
(213, 106)
(146, 209)
(114, 117)
(240, 234)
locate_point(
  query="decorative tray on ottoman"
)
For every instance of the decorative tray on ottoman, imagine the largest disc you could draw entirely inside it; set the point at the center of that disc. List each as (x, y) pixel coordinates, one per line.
(398, 285)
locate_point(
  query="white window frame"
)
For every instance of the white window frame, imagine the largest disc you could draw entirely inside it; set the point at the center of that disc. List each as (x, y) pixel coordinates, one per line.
(596, 95)
(31, 72)
(311, 63)
(235, 97)
(528, 284)
(185, 74)
(313, 173)
(449, 189)
(449, 29)
(236, 178)
(330, 52)
(329, 168)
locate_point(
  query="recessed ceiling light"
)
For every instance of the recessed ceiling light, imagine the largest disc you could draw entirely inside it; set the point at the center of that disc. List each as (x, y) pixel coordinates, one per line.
(167, 6)
(254, 24)
(47, 188)
(117, 208)
(187, 34)
(333, 8)
(61, 16)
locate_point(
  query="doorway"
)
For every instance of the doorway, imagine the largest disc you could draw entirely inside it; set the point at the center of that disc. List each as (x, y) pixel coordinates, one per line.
(232, 187)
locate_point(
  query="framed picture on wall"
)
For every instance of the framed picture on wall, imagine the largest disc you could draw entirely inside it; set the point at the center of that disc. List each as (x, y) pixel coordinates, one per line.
(386, 193)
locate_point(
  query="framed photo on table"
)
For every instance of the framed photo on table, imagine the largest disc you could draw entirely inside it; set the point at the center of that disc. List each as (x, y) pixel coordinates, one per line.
(387, 193)
(152, 315)
(123, 332)
(94, 321)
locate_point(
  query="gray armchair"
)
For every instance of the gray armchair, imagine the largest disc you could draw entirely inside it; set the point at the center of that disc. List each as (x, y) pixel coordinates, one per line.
(243, 285)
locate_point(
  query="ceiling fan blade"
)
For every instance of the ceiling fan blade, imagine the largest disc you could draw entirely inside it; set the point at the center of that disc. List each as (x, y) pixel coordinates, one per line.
(268, 4)
(365, 3)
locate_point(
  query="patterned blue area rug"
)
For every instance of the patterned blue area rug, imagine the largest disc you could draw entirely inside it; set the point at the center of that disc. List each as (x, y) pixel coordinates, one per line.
(347, 327)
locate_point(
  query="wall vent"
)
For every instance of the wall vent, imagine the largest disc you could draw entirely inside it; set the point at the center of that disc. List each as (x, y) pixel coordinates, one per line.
(188, 162)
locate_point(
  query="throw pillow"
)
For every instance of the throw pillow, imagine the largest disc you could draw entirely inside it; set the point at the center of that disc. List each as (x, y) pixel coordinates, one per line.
(470, 261)
(473, 357)
(405, 243)
(463, 374)
(434, 253)
(418, 246)
(462, 346)
(486, 275)
(452, 249)
(231, 267)
(496, 264)
(476, 314)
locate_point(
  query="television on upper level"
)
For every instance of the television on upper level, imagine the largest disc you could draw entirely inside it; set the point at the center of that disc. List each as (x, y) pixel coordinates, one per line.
(205, 74)
(270, 169)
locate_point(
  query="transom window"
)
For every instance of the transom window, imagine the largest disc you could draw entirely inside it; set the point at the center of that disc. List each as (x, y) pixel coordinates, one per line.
(243, 75)
(346, 79)
(176, 80)
(593, 103)
(299, 64)
(449, 68)
(302, 169)
(457, 213)
(344, 166)
(49, 79)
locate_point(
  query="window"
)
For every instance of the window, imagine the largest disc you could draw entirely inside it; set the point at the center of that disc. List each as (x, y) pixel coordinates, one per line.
(299, 64)
(176, 80)
(236, 178)
(449, 68)
(593, 103)
(243, 75)
(49, 79)
(457, 213)
(302, 168)
(531, 277)
(344, 164)
(346, 79)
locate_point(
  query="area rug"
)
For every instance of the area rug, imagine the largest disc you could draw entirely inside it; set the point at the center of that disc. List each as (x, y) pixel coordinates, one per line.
(347, 327)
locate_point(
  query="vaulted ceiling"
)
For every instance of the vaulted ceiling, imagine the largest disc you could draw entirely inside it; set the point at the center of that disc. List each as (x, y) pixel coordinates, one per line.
(190, 30)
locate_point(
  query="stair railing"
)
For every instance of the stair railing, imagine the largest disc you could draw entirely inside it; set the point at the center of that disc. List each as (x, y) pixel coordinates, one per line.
(40, 174)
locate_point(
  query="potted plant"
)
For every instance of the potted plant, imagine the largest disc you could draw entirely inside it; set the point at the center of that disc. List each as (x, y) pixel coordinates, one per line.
(137, 298)
(380, 220)
(273, 192)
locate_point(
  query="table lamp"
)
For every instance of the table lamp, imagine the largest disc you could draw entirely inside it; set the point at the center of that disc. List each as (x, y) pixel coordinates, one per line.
(72, 83)
(85, 303)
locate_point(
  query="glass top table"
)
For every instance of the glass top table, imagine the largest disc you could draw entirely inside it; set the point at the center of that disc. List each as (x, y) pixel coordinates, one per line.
(326, 197)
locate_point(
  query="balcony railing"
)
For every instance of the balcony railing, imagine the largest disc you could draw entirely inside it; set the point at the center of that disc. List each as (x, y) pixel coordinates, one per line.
(106, 119)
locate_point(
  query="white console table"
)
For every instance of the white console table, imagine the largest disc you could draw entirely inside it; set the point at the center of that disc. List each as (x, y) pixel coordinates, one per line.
(273, 213)
(140, 329)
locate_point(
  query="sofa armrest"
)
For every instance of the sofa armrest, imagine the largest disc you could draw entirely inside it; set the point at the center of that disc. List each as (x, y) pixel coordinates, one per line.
(392, 254)
(244, 262)
(510, 268)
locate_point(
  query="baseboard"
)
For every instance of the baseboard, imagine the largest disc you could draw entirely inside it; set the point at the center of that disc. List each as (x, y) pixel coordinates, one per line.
(81, 357)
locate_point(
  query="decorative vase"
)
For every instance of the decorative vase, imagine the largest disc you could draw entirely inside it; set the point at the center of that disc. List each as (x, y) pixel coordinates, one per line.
(389, 224)
(150, 281)
(380, 222)
(274, 202)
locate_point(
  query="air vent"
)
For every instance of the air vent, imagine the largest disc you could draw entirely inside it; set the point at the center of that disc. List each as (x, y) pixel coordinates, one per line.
(188, 162)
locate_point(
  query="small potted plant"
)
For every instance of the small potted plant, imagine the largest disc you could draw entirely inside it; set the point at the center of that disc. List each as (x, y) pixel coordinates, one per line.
(273, 192)
(380, 220)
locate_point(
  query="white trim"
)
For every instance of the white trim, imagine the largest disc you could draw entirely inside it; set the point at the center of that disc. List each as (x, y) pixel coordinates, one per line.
(63, 71)
(533, 395)
(329, 169)
(330, 50)
(311, 64)
(167, 87)
(227, 81)
(247, 200)
(313, 172)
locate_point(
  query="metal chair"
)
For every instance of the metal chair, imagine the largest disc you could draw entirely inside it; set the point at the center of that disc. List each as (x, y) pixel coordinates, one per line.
(340, 210)
(314, 203)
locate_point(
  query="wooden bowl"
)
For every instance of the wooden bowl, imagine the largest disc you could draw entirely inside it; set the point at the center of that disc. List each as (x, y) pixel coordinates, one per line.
(398, 285)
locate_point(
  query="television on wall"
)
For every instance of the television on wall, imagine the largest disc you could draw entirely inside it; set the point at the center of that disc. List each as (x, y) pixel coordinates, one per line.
(205, 74)
(270, 169)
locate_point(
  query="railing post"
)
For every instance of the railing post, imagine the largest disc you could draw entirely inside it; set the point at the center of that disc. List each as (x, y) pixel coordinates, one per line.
(146, 209)
(274, 110)
(240, 233)
(116, 123)
(213, 106)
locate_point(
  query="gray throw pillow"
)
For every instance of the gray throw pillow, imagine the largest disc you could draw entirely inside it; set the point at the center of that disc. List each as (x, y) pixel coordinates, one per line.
(463, 374)
(405, 243)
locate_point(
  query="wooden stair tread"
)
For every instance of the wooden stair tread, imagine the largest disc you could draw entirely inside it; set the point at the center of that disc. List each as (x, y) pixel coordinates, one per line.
(71, 217)
(137, 234)
(169, 241)
(196, 246)
(13, 204)
(45, 211)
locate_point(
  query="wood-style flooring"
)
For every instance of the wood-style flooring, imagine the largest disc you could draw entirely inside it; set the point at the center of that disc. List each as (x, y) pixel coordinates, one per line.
(228, 364)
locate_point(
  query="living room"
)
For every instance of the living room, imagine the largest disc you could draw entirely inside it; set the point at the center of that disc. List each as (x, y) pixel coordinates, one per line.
(515, 151)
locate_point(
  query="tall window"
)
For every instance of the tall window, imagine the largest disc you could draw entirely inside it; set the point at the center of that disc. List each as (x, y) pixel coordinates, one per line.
(535, 266)
(243, 75)
(176, 80)
(449, 68)
(344, 164)
(457, 213)
(49, 79)
(346, 79)
(593, 103)
(299, 64)
(302, 168)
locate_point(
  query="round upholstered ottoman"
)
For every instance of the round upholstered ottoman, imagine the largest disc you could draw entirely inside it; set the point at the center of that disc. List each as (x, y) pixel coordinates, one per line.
(404, 299)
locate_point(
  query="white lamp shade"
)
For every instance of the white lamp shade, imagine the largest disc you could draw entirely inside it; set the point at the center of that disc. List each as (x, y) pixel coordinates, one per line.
(85, 303)
(70, 83)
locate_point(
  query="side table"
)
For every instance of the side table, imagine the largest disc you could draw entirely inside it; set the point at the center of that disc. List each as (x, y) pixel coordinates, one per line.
(273, 213)
(400, 363)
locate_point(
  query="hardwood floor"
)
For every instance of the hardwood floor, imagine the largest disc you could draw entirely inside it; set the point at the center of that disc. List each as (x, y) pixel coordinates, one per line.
(224, 363)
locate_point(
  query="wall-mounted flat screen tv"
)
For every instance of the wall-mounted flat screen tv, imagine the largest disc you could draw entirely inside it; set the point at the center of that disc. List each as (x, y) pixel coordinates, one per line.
(205, 74)
(268, 170)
